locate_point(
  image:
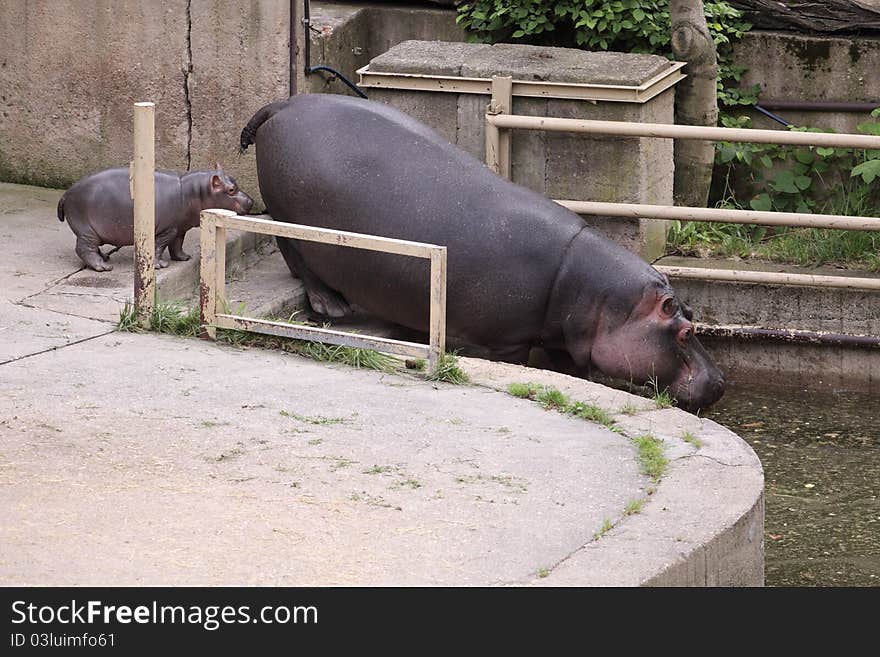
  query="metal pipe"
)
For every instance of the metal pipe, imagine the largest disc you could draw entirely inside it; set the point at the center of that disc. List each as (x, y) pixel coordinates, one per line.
(770, 278)
(795, 336)
(672, 131)
(143, 194)
(307, 44)
(682, 213)
(820, 106)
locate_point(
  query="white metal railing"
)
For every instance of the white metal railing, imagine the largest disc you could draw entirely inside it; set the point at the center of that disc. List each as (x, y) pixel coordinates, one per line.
(499, 122)
(212, 273)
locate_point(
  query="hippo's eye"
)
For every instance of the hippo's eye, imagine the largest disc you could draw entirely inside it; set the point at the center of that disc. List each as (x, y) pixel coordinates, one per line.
(669, 306)
(231, 191)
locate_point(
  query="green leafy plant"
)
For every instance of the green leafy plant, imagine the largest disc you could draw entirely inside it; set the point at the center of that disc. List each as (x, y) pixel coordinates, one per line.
(791, 179)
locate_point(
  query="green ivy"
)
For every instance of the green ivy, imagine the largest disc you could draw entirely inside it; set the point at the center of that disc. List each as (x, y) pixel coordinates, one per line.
(637, 26)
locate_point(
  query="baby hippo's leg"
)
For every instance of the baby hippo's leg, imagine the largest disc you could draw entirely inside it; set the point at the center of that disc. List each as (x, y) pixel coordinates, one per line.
(88, 251)
(175, 248)
(163, 240)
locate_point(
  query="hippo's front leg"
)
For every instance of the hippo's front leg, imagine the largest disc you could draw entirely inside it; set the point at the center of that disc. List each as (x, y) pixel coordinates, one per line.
(175, 248)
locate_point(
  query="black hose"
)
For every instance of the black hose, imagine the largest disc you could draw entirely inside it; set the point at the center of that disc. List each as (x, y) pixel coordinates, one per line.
(771, 115)
(309, 69)
(351, 85)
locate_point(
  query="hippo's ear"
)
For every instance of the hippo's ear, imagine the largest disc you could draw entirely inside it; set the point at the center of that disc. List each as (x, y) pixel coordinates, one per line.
(217, 183)
(218, 166)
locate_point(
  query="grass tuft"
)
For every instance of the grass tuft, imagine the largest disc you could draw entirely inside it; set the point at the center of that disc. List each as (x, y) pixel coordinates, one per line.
(688, 437)
(553, 399)
(168, 317)
(661, 397)
(592, 413)
(448, 371)
(604, 529)
(175, 319)
(523, 390)
(651, 456)
(633, 507)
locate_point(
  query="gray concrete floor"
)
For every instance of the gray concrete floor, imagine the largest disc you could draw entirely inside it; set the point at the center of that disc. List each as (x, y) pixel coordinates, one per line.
(130, 459)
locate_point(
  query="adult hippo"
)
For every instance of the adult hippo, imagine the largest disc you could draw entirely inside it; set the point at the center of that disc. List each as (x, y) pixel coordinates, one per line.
(523, 271)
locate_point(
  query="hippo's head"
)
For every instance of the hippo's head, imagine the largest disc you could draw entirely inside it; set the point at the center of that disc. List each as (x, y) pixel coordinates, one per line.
(652, 341)
(223, 193)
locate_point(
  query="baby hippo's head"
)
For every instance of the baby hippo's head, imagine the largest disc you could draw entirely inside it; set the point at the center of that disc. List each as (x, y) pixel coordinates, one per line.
(223, 193)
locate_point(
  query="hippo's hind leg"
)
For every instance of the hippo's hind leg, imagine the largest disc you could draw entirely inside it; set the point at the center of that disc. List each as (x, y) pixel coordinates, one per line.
(87, 248)
(322, 299)
(175, 248)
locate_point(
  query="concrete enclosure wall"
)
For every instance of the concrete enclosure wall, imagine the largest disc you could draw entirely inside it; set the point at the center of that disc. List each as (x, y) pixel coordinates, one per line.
(811, 68)
(70, 71)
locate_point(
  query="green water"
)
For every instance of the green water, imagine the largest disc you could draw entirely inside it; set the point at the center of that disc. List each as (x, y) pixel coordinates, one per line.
(821, 458)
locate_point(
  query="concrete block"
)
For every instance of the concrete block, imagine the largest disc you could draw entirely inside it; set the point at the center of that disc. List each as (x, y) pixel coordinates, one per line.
(436, 109)
(240, 62)
(528, 148)
(470, 135)
(347, 36)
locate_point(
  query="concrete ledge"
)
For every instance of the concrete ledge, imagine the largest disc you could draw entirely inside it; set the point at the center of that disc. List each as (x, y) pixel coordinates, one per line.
(704, 524)
(777, 306)
(400, 481)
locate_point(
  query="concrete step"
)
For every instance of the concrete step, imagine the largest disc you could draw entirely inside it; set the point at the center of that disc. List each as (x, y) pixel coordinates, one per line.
(261, 285)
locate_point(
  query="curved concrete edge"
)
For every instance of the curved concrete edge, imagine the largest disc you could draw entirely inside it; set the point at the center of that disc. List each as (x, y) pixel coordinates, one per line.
(704, 523)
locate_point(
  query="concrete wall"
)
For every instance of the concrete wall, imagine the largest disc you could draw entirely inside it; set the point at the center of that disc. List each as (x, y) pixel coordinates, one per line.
(70, 71)
(811, 68)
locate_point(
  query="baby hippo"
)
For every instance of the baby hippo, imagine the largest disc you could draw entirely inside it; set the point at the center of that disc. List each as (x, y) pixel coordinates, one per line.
(99, 210)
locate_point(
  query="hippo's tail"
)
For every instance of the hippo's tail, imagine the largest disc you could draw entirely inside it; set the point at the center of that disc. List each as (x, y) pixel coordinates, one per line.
(61, 207)
(249, 134)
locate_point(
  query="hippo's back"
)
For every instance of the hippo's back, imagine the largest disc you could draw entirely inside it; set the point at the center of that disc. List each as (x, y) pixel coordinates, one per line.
(350, 164)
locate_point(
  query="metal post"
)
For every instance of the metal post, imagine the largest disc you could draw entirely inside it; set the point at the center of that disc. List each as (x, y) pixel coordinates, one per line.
(437, 319)
(208, 275)
(143, 194)
(497, 140)
(298, 35)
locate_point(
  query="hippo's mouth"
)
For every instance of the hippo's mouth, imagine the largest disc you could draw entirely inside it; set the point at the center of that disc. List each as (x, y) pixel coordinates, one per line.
(695, 390)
